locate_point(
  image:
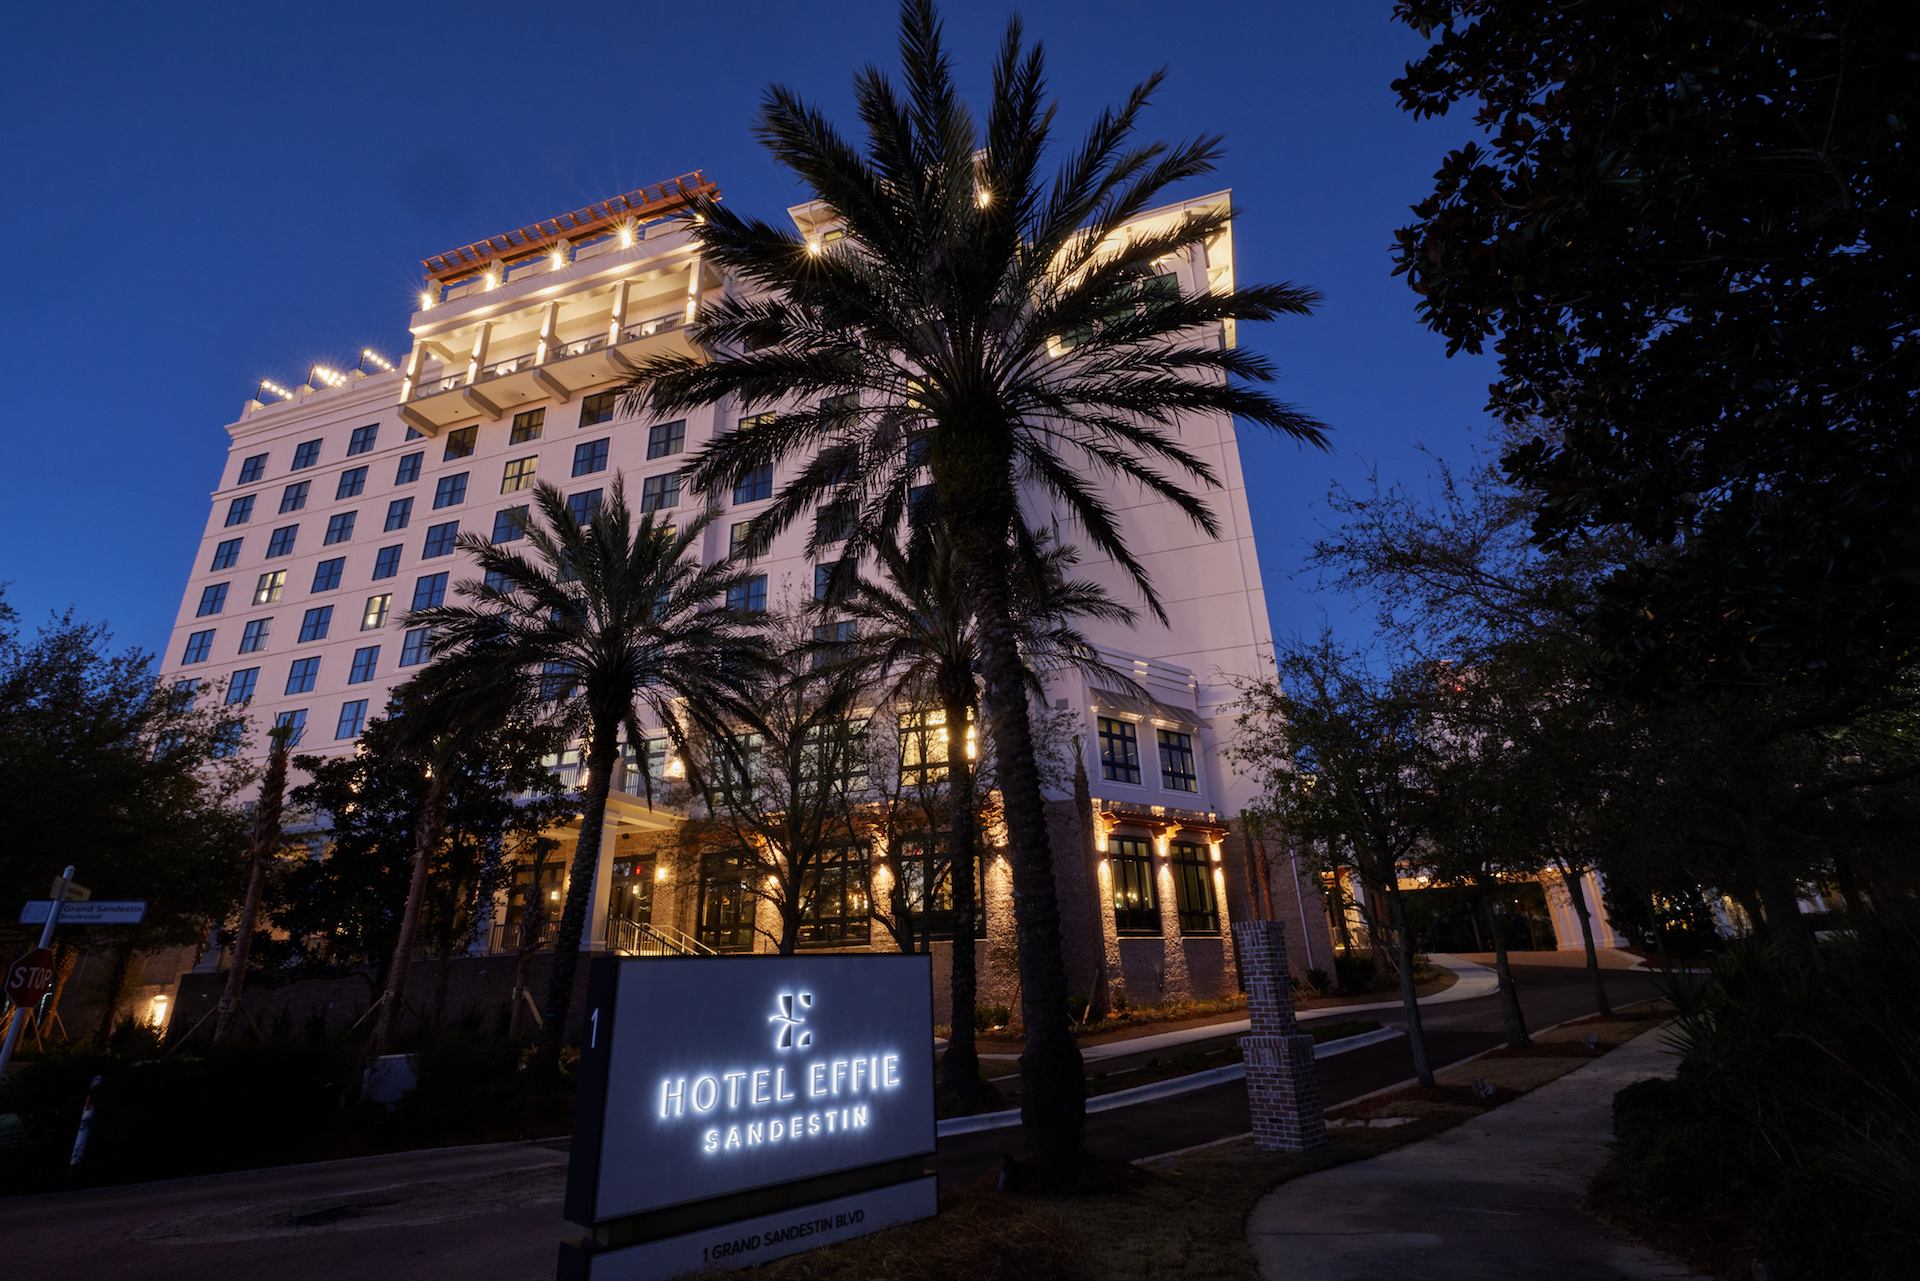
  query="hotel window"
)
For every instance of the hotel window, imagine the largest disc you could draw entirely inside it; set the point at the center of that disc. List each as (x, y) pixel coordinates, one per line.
(922, 506)
(755, 485)
(409, 469)
(833, 899)
(352, 484)
(749, 596)
(327, 574)
(353, 719)
(598, 408)
(919, 449)
(833, 523)
(339, 528)
(526, 426)
(659, 492)
(727, 903)
(832, 579)
(924, 746)
(518, 475)
(364, 662)
(666, 438)
(440, 540)
(362, 439)
(925, 869)
(294, 497)
(240, 684)
(1193, 879)
(833, 643)
(187, 689)
(240, 511)
(1136, 906)
(226, 554)
(584, 504)
(267, 590)
(1119, 751)
(305, 456)
(417, 648)
(199, 646)
(840, 464)
(387, 563)
(212, 600)
(430, 591)
(495, 581)
(281, 544)
(460, 443)
(314, 624)
(375, 614)
(254, 638)
(1176, 762)
(509, 524)
(296, 721)
(253, 469)
(590, 457)
(399, 512)
(450, 491)
(742, 545)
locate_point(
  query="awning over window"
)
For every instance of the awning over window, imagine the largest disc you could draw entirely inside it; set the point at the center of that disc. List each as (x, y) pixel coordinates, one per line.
(1146, 708)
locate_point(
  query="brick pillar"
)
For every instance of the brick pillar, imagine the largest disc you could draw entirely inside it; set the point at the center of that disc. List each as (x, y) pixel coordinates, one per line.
(1283, 1085)
(1176, 984)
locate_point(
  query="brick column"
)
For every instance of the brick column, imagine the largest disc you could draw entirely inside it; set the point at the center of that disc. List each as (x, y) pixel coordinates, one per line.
(1283, 1086)
(1176, 983)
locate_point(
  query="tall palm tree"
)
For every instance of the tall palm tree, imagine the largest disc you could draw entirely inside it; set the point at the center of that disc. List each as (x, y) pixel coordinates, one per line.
(607, 616)
(1002, 328)
(917, 635)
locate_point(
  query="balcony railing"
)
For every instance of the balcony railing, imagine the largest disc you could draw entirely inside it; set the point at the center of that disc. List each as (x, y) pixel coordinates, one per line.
(508, 365)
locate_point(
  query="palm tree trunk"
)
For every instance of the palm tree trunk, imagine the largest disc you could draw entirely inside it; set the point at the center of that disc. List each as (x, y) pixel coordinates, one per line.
(1513, 1020)
(426, 838)
(602, 753)
(1053, 1095)
(1409, 999)
(1577, 891)
(960, 1065)
(266, 839)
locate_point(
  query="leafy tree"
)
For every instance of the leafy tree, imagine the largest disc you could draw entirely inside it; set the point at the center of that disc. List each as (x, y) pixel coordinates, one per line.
(1345, 759)
(1006, 333)
(609, 615)
(342, 913)
(134, 783)
(1691, 233)
(265, 847)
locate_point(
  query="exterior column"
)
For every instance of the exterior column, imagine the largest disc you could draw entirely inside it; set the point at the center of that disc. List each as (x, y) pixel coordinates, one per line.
(1109, 931)
(478, 361)
(594, 938)
(1176, 983)
(1220, 903)
(1283, 1085)
(619, 321)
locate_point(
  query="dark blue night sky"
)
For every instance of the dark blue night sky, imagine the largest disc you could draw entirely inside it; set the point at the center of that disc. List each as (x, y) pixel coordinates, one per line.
(199, 196)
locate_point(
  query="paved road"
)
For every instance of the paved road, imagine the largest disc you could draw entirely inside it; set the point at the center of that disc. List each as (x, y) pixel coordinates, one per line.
(420, 1217)
(1549, 993)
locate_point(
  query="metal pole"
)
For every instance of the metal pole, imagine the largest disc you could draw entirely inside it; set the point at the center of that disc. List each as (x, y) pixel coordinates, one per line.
(46, 936)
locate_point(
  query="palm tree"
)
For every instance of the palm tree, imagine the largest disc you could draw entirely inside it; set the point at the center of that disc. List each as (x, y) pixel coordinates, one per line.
(916, 633)
(1004, 330)
(608, 616)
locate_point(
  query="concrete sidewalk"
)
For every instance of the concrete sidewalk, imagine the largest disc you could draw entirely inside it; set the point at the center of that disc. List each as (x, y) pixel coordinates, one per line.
(1497, 1197)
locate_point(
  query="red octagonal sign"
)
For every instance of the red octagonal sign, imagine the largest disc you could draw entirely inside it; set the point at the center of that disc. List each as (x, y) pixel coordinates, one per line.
(29, 977)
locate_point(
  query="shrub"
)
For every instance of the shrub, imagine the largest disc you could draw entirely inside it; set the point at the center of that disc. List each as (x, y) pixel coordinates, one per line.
(1356, 973)
(988, 1017)
(1317, 980)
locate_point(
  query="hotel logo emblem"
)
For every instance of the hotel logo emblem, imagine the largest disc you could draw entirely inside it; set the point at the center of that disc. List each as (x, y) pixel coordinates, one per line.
(791, 1036)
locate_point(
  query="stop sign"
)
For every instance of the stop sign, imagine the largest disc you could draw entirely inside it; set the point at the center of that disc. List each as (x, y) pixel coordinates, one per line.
(29, 977)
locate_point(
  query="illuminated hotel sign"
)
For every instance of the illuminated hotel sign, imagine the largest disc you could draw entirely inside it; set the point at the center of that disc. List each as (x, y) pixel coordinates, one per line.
(766, 1103)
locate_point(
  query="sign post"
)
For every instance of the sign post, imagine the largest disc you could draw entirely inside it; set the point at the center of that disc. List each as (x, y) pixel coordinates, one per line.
(35, 968)
(734, 1110)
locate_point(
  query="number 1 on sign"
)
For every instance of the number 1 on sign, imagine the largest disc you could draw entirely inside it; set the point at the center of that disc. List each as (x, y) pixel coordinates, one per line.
(593, 1039)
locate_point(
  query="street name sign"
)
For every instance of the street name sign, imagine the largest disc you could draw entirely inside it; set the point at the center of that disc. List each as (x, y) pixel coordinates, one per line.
(29, 977)
(98, 912)
(735, 1109)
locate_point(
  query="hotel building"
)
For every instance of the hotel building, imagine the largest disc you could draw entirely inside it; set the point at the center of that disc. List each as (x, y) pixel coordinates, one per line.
(341, 499)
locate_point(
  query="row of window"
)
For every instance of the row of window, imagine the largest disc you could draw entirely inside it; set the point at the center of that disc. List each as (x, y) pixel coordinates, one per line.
(429, 590)
(1120, 756)
(1136, 893)
(353, 720)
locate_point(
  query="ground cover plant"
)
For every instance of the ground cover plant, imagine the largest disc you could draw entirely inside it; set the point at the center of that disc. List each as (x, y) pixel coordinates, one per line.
(1788, 1136)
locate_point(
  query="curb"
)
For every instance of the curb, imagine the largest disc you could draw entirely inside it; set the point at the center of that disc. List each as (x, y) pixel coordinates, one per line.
(1159, 1089)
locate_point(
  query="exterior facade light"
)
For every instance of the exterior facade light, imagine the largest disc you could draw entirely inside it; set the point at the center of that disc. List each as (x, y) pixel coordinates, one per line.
(426, 301)
(367, 353)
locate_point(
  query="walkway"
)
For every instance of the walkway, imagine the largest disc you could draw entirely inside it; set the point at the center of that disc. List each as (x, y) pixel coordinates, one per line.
(1497, 1197)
